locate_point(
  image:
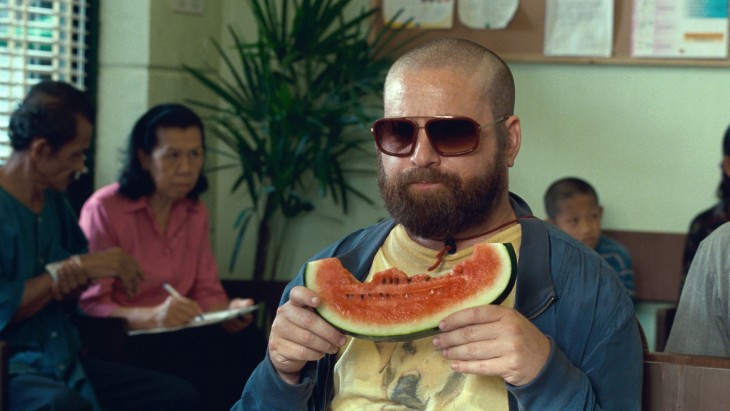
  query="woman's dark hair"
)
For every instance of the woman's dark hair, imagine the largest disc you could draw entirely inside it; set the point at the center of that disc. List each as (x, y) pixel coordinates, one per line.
(135, 181)
(723, 191)
(49, 111)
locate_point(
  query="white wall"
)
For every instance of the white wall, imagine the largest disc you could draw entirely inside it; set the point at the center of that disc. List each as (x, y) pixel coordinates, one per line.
(143, 45)
(647, 137)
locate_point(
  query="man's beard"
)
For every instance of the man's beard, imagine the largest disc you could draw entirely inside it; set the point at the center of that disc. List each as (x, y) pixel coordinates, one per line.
(452, 209)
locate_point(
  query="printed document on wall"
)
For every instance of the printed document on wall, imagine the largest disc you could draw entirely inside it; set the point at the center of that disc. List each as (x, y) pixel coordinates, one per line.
(422, 14)
(487, 14)
(680, 29)
(578, 28)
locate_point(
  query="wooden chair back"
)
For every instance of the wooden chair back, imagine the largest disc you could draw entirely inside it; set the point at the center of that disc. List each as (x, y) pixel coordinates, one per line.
(685, 382)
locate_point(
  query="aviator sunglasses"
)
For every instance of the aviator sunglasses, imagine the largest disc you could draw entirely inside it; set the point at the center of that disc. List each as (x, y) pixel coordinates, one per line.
(449, 136)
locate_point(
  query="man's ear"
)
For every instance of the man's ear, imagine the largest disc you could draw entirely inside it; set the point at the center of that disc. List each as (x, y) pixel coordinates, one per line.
(514, 139)
(39, 149)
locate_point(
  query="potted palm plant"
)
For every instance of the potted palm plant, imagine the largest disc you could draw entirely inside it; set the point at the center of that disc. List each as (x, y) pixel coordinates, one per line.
(294, 105)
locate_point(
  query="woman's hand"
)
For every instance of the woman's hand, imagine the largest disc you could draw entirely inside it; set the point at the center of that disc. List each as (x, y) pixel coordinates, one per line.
(239, 323)
(175, 311)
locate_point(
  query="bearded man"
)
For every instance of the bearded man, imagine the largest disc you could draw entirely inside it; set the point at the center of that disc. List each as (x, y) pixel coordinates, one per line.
(565, 338)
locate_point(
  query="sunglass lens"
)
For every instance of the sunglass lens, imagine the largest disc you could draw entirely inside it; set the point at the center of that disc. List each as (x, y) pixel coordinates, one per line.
(394, 137)
(453, 136)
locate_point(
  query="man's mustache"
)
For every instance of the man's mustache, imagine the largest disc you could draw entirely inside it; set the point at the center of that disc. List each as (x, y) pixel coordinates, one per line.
(424, 175)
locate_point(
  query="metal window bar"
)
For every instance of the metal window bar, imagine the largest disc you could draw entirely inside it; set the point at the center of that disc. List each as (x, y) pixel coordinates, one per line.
(39, 40)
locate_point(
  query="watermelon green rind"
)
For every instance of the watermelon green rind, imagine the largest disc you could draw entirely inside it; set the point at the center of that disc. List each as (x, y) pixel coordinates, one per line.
(512, 277)
(412, 316)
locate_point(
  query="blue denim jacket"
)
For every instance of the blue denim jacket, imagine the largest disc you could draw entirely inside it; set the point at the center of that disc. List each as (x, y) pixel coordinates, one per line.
(565, 289)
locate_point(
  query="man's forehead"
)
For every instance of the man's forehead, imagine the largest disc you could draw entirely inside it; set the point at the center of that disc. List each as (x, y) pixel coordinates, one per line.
(431, 92)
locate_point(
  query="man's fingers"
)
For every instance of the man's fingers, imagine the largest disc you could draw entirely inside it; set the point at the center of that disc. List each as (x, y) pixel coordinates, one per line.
(310, 339)
(304, 297)
(475, 315)
(286, 351)
(305, 327)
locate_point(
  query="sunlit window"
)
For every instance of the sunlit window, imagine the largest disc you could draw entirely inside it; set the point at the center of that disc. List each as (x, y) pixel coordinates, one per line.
(38, 40)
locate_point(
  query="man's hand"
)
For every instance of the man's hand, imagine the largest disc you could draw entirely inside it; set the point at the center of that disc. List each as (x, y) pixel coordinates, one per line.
(493, 340)
(299, 335)
(113, 263)
(71, 280)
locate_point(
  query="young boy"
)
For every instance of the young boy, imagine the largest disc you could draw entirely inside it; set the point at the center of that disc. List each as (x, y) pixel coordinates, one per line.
(572, 205)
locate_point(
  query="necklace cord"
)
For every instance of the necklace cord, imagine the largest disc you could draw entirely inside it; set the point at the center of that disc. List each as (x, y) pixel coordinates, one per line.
(450, 241)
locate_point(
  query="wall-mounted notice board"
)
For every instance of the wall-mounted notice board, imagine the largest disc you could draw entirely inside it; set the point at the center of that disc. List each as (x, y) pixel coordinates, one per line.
(522, 40)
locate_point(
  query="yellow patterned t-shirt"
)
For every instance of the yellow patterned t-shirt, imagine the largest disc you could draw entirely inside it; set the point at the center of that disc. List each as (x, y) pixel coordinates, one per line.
(413, 375)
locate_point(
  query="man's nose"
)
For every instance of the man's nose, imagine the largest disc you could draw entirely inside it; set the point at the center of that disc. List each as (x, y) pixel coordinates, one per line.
(424, 154)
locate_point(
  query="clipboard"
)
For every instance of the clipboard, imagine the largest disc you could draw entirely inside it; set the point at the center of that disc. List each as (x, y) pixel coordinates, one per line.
(211, 317)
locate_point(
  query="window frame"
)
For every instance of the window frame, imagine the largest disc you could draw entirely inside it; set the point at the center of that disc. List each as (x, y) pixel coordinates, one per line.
(64, 44)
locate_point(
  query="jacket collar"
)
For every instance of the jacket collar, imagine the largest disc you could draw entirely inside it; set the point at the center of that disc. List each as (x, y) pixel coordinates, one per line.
(535, 288)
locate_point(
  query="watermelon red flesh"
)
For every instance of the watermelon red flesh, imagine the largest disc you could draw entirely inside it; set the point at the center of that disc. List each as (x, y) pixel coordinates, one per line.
(394, 307)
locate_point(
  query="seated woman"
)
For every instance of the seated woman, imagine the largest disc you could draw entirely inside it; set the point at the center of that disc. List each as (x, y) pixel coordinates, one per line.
(154, 214)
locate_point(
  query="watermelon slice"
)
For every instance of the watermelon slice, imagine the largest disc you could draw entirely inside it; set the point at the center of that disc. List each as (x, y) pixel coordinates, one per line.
(395, 307)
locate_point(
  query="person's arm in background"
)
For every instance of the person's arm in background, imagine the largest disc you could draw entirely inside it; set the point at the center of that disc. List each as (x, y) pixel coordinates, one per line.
(69, 270)
(40, 290)
(701, 324)
(94, 222)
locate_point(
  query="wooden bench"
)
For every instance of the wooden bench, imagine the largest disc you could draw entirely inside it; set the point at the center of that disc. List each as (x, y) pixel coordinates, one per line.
(685, 382)
(657, 262)
(657, 259)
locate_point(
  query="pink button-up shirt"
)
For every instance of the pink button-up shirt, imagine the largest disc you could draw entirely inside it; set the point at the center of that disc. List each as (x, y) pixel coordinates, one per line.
(182, 256)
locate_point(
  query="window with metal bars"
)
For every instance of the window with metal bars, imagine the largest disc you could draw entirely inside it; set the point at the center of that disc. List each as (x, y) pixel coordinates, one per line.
(39, 40)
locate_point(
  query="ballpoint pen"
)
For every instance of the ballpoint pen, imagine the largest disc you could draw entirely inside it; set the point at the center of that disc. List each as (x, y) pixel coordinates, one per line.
(173, 292)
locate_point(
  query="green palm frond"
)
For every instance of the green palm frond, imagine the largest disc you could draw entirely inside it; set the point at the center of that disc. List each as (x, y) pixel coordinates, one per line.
(295, 104)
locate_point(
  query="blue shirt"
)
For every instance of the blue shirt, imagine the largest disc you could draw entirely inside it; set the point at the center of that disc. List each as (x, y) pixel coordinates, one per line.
(617, 256)
(46, 343)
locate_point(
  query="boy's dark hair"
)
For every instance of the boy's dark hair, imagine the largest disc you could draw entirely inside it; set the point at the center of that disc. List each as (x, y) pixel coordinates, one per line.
(723, 191)
(49, 111)
(563, 189)
(135, 181)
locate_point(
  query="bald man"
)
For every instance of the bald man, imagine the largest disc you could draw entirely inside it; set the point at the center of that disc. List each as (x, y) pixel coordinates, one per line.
(566, 337)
